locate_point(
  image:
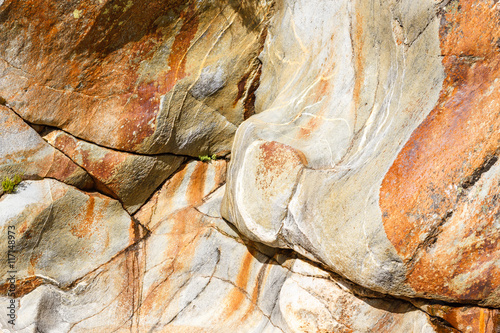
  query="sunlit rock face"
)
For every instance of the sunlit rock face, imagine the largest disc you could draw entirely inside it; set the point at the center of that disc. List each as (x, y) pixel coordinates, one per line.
(23, 151)
(141, 76)
(250, 166)
(374, 150)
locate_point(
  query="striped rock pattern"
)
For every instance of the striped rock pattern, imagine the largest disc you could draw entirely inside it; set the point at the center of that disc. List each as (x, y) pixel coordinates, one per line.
(376, 144)
(194, 273)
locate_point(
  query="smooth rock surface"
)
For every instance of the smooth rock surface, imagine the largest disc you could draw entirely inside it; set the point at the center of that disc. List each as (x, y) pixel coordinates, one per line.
(24, 152)
(131, 178)
(375, 123)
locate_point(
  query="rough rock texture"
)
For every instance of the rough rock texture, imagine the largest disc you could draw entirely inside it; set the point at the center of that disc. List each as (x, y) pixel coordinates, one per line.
(23, 152)
(129, 177)
(195, 274)
(62, 233)
(380, 131)
(145, 76)
(350, 180)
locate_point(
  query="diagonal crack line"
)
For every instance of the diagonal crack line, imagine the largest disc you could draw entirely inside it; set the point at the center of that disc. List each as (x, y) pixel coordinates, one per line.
(90, 142)
(201, 291)
(429, 241)
(245, 294)
(488, 162)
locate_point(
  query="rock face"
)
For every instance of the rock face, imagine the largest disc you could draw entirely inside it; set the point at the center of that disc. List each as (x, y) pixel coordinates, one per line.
(62, 233)
(377, 155)
(142, 76)
(250, 166)
(129, 177)
(23, 151)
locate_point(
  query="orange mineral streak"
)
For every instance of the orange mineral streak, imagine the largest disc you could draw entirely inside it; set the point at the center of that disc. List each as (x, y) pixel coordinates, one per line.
(33, 261)
(359, 58)
(237, 294)
(144, 105)
(88, 222)
(468, 319)
(425, 181)
(196, 187)
(23, 287)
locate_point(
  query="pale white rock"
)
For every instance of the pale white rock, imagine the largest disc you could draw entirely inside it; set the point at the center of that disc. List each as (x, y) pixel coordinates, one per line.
(62, 233)
(189, 275)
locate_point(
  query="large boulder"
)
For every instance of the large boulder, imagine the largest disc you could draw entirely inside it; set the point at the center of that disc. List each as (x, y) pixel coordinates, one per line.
(375, 146)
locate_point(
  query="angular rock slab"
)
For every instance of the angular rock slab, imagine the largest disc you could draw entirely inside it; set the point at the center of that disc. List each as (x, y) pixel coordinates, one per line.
(24, 152)
(194, 274)
(131, 178)
(188, 187)
(144, 76)
(62, 233)
(393, 111)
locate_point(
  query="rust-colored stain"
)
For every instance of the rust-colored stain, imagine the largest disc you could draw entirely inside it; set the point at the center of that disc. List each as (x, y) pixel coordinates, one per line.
(248, 90)
(237, 294)
(196, 187)
(260, 281)
(23, 286)
(425, 183)
(275, 154)
(33, 261)
(359, 57)
(89, 64)
(468, 319)
(85, 225)
(172, 186)
(276, 159)
(145, 101)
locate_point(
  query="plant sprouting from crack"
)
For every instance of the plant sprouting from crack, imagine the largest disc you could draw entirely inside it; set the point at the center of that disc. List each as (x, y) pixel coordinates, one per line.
(207, 158)
(10, 185)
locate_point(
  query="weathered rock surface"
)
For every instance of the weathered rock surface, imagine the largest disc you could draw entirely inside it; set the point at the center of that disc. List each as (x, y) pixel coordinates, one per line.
(363, 184)
(131, 178)
(375, 150)
(194, 274)
(61, 233)
(24, 152)
(145, 76)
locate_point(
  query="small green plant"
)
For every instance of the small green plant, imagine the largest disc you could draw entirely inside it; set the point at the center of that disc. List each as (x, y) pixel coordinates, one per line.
(10, 185)
(206, 158)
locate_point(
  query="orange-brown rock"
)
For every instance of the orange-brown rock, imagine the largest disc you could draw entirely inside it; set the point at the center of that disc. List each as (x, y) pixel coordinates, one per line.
(145, 76)
(131, 178)
(440, 197)
(466, 319)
